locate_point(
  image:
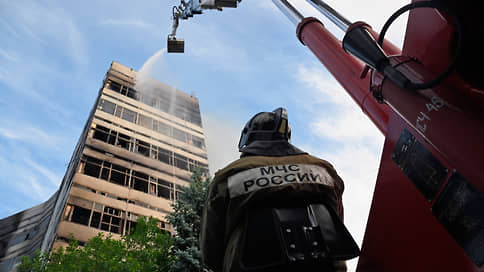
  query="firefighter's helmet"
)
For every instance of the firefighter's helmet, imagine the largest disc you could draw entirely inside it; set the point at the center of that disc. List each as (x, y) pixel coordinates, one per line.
(266, 126)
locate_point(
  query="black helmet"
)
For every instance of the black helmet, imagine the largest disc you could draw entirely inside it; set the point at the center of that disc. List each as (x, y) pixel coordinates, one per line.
(266, 126)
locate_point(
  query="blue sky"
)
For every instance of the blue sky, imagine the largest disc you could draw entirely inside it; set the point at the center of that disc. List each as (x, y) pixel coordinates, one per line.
(54, 54)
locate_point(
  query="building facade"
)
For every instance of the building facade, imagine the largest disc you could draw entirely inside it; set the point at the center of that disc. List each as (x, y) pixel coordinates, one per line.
(139, 147)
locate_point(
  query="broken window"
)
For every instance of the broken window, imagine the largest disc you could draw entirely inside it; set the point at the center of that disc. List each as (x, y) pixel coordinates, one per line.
(154, 152)
(124, 141)
(164, 189)
(112, 137)
(80, 215)
(96, 219)
(92, 168)
(164, 155)
(132, 93)
(131, 222)
(181, 162)
(118, 175)
(114, 86)
(105, 170)
(193, 165)
(140, 181)
(111, 220)
(143, 148)
(101, 133)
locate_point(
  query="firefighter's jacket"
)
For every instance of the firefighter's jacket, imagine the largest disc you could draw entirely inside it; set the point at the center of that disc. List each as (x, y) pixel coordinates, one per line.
(260, 180)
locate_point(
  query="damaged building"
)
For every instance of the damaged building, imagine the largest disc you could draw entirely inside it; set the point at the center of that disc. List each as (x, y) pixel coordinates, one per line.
(138, 148)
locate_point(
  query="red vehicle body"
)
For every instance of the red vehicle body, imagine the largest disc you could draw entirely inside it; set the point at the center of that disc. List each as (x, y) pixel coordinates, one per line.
(427, 212)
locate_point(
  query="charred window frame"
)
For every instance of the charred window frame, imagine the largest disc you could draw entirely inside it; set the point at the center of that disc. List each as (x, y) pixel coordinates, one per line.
(124, 141)
(81, 215)
(112, 137)
(134, 179)
(146, 149)
(92, 166)
(107, 171)
(154, 152)
(112, 220)
(119, 175)
(165, 189)
(97, 216)
(142, 148)
(131, 222)
(140, 181)
(131, 93)
(165, 156)
(114, 86)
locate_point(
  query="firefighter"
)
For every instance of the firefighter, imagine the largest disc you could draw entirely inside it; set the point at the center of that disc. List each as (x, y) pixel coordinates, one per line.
(277, 208)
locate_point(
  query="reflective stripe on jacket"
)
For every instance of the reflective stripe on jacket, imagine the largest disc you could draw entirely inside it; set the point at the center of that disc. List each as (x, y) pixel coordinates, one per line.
(260, 180)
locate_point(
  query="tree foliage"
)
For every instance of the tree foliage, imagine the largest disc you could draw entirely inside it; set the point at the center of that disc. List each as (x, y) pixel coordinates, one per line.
(185, 219)
(147, 248)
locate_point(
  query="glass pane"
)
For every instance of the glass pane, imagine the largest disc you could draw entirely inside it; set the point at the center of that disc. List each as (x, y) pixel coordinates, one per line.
(198, 142)
(107, 106)
(181, 162)
(164, 129)
(179, 135)
(118, 111)
(164, 155)
(129, 115)
(145, 121)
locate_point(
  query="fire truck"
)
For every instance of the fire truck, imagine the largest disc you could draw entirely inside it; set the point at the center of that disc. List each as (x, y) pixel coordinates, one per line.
(427, 99)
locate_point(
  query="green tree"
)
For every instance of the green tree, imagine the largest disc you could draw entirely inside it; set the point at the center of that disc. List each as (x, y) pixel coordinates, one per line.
(185, 219)
(147, 248)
